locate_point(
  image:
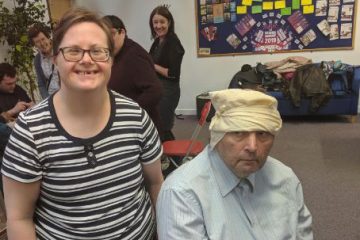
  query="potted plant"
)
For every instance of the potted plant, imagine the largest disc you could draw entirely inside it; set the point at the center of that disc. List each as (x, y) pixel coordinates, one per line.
(14, 24)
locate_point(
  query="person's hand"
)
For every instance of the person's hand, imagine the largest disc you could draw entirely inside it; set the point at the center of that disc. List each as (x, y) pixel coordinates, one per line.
(19, 107)
(11, 124)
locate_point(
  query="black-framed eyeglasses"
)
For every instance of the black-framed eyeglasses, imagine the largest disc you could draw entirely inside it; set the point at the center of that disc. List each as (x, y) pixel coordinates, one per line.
(75, 54)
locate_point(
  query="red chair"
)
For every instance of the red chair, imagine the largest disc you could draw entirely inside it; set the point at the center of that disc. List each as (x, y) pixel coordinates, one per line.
(186, 149)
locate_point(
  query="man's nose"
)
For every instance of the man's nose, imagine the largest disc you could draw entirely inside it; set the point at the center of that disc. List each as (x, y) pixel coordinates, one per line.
(251, 143)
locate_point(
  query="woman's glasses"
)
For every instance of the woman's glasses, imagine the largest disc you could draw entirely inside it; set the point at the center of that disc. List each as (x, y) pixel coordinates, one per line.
(75, 54)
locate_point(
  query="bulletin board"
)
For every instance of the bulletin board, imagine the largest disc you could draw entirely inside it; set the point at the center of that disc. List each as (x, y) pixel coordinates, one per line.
(231, 27)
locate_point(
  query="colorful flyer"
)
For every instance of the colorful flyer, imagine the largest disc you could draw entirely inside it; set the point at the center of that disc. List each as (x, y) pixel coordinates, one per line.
(308, 37)
(347, 12)
(280, 4)
(334, 2)
(268, 5)
(306, 2)
(309, 9)
(241, 9)
(324, 27)
(298, 22)
(333, 14)
(334, 32)
(245, 24)
(321, 8)
(233, 40)
(256, 9)
(247, 2)
(218, 13)
(346, 31)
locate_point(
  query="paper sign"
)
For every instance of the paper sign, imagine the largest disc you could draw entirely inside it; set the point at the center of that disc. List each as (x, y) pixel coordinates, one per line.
(268, 5)
(308, 9)
(296, 4)
(306, 2)
(256, 9)
(247, 2)
(241, 9)
(285, 11)
(280, 4)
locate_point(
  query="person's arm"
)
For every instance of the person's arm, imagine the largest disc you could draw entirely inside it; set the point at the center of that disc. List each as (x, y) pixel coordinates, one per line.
(153, 179)
(179, 215)
(20, 201)
(304, 228)
(19, 107)
(40, 77)
(175, 53)
(161, 70)
(143, 75)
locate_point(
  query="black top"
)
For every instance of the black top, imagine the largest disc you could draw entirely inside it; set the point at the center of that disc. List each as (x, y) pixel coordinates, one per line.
(168, 54)
(9, 100)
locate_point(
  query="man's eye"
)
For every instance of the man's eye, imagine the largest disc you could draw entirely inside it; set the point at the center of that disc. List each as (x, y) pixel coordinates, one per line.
(263, 135)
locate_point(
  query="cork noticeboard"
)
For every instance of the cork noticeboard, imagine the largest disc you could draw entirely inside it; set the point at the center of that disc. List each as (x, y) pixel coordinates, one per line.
(231, 27)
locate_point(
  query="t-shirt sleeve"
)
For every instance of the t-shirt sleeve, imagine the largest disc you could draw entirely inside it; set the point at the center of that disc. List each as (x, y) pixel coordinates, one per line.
(20, 161)
(151, 145)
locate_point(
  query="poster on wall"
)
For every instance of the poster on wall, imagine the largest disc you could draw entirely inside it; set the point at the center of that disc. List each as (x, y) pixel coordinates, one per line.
(230, 27)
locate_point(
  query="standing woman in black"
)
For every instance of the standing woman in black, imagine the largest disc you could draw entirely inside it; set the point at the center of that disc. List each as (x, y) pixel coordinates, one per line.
(167, 53)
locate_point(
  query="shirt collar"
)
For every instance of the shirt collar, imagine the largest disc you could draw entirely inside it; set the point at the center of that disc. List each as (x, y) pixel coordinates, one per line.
(224, 177)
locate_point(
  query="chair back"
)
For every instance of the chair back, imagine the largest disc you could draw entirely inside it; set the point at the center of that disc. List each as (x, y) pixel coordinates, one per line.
(204, 113)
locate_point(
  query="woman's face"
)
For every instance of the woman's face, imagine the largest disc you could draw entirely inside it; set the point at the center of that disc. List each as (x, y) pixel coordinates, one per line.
(160, 25)
(85, 74)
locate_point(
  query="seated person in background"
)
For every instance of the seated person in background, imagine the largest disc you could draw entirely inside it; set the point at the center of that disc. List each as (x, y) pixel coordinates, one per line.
(13, 98)
(133, 73)
(46, 74)
(233, 189)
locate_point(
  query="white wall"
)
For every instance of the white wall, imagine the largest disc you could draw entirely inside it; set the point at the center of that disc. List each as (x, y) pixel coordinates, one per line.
(198, 74)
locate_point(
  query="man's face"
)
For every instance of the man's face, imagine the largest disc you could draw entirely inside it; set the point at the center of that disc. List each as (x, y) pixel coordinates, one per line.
(42, 44)
(7, 84)
(119, 38)
(245, 152)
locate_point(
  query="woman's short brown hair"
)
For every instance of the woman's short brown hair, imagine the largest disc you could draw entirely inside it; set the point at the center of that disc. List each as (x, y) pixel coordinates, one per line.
(80, 15)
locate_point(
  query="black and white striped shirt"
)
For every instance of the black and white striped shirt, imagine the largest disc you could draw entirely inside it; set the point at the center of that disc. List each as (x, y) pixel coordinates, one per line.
(90, 188)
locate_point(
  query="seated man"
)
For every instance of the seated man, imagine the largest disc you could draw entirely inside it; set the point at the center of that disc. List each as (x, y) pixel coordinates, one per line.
(233, 189)
(13, 99)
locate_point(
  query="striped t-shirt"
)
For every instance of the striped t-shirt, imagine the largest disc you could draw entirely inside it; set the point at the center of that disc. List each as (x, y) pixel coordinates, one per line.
(90, 188)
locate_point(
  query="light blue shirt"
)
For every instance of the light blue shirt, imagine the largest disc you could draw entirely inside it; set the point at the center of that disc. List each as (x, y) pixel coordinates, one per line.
(203, 199)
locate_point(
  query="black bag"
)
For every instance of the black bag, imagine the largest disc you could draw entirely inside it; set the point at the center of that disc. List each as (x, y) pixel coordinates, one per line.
(268, 77)
(246, 78)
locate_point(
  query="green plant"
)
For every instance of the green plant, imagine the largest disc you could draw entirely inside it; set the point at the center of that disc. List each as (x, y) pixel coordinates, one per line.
(14, 24)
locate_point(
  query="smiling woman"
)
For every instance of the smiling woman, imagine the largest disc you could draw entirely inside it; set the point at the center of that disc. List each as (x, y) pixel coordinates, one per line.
(92, 156)
(167, 53)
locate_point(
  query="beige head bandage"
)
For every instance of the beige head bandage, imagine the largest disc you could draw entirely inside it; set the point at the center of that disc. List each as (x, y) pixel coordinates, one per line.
(242, 110)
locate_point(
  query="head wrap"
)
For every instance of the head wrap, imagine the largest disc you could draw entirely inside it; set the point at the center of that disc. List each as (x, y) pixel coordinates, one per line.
(243, 110)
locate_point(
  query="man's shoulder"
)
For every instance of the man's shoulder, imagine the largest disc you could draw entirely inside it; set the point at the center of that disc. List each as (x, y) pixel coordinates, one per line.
(135, 47)
(22, 93)
(276, 171)
(191, 175)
